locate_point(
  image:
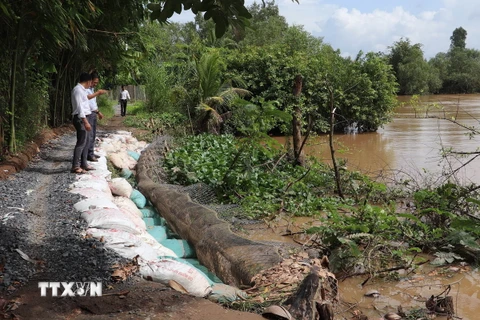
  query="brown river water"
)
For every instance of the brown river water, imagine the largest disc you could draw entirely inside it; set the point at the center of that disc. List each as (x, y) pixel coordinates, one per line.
(409, 145)
(412, 142)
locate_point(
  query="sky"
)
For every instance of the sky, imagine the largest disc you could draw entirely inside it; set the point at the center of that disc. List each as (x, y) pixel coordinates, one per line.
(374, 25)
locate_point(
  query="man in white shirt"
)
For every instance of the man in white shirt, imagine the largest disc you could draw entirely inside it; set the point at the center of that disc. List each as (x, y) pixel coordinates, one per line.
(81, 110)
(92, 95)
(124, 96)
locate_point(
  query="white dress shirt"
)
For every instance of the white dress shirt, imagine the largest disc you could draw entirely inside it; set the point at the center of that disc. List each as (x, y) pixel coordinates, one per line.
(80, 105)
(124, 95)
(93, 101)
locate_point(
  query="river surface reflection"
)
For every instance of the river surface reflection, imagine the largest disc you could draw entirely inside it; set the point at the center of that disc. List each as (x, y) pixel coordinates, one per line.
(411, 144)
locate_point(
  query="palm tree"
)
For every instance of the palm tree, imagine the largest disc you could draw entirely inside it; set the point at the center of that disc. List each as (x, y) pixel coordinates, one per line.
(215, 97)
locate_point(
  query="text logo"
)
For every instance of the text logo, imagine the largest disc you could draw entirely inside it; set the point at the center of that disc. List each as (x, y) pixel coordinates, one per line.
(71, 289)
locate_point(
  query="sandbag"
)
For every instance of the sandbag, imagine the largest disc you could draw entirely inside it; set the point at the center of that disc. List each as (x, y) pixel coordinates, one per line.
(129, 245)
(139, 223)
(213, 278)
(224, 293)
(108, 146)
(149, 239)
(160, 234)
(92, 193)
(121, 160)
(110, 219)
(148, 212)
(101, 173)
(126, 203)
(126, 173)
(94, 203)
(181, 247)
(187, 276)
(156, 221)
(93, 183)
(133, 154)
(120, 187)
(138, 198)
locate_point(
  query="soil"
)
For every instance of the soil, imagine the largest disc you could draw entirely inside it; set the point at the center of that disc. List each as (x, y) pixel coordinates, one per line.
(40, 240)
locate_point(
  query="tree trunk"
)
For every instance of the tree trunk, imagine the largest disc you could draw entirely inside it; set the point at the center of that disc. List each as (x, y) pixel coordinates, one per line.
(302, 303)
(332, 149)
(13, 80)
(314, 297)
(297, 123)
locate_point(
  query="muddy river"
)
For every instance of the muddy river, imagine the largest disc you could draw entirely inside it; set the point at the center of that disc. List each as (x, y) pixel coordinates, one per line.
(411, 144)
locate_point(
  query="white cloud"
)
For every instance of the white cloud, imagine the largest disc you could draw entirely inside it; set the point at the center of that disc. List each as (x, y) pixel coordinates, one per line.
(353, 29)
(357, 25)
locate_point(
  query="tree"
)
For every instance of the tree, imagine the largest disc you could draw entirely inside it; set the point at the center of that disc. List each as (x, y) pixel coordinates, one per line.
(411, 69)
(224, 13)
(266, 27)
(43, 57)
(216, 96)
(458, 39)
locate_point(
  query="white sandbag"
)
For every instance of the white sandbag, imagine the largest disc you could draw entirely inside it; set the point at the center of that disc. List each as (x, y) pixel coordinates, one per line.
(139, 223)
(128, 204)
(142, 144)
(118, 160)
(94, 183)
(164, 270)
(126, 244)
(121, 160)
(92, 193)
(122, 133)
(161, 250)
(130, 209)
(131, 140)
(110, 219)
(102, 173)
(108, 147)
(132, 147)
(120, 187)
(94, 203)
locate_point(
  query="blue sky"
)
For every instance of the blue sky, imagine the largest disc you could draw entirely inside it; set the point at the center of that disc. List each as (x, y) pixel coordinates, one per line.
(374, 25)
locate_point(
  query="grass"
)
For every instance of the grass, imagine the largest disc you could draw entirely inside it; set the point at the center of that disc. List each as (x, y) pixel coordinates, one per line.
(105, 105)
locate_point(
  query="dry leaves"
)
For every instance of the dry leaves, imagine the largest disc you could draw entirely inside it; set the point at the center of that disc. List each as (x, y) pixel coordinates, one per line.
(282, 280)
(123, 272)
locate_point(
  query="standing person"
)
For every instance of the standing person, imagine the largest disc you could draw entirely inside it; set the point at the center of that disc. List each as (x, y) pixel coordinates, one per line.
(92, 95)
(81, 110)
(124, 96)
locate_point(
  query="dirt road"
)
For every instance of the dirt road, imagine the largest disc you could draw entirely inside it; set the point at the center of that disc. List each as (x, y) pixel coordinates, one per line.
(41, 240)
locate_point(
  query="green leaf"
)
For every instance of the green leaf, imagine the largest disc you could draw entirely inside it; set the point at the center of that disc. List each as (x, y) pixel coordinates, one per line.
(409, 216)
(178, 7)
(155, 15)
(154, 6)
(220, 28)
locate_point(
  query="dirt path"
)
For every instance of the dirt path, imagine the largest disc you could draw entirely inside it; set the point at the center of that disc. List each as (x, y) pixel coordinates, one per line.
(38, 229)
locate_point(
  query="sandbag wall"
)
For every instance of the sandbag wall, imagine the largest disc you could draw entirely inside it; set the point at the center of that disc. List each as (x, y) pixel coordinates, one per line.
(232, 258)
(121, 217)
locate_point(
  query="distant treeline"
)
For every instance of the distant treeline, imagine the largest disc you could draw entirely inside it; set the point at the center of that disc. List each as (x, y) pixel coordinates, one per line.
(455, 71)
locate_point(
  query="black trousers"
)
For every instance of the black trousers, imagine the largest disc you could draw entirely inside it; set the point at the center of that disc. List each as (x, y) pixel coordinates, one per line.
(81, 147)
(92, 119)
(123, 107)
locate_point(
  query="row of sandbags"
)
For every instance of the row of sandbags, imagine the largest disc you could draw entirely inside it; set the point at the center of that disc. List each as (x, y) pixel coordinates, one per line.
(118, 215)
